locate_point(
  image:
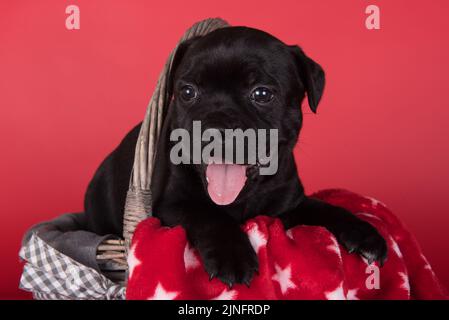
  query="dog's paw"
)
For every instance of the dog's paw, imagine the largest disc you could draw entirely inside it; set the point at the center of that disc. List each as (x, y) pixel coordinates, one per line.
(232, 262)
(362, 238)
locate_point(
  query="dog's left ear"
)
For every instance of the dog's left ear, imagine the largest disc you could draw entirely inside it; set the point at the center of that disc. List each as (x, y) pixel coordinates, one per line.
(312, 76)
(179, 55)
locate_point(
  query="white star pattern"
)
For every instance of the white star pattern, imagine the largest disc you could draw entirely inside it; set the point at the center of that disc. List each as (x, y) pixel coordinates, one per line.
(428, 267)
(226, 295)
(352, 294)
(190, 260)
(133, 261)
(405, 283)
(337, 294)
(375, 202)
(161, 294)
(289, 234)
(256, 238)
(283, 276)
(395, 247)
(334, 247)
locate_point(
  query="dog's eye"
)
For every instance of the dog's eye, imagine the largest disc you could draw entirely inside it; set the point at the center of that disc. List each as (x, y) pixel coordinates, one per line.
(262, 95)
(188, 93)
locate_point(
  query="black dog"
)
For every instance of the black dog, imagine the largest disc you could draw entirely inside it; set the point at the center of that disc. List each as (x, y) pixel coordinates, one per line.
(243, 78)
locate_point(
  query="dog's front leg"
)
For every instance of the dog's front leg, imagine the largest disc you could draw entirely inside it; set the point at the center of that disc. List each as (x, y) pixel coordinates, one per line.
(353, 233)
(224, 248)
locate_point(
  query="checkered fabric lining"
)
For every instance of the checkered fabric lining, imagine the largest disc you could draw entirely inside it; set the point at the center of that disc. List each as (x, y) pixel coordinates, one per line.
(51, 275)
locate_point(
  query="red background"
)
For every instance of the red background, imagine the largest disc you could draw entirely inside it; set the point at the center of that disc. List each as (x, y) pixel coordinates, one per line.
(68, 97)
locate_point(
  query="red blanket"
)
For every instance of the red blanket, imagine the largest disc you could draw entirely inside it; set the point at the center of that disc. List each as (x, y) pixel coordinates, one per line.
(302, 263)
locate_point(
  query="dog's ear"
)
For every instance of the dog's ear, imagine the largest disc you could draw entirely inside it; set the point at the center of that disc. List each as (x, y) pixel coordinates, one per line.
(179, 54)
(312, 76)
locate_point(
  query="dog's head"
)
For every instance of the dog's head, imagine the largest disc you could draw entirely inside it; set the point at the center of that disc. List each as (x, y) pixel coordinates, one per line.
(240, 78)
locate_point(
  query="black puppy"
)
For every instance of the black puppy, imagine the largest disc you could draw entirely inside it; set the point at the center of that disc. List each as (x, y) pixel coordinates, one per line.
(232, 78)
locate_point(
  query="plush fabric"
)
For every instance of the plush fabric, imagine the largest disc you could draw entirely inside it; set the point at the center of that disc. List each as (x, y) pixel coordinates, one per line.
(68, 235)
(302, 263)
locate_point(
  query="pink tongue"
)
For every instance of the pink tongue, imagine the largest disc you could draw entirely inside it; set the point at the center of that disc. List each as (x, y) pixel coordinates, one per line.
(225, 181)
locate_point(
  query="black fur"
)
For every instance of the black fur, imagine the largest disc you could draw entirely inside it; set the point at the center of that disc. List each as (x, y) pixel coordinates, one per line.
(225, 66)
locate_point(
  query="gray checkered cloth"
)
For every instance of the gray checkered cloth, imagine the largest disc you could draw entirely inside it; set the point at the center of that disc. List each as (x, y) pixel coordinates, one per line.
(51, 275)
